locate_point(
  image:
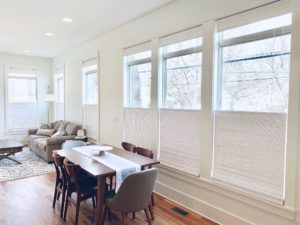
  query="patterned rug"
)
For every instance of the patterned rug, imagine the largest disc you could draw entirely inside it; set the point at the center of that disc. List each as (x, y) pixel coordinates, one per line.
(32, 165)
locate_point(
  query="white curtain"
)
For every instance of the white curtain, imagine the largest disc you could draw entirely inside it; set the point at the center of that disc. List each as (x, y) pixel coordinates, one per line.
(249, 152)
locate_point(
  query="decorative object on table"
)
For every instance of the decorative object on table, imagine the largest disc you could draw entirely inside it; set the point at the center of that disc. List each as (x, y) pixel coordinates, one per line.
(32, 165)
(69, 144)
(44, 145)
(49, 97)
(9, 147)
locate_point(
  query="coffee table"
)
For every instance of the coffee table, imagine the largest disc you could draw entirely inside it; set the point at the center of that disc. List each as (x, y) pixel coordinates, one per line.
(9, 147)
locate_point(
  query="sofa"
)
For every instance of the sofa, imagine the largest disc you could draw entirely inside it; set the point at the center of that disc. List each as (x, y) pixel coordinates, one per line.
(44, 145)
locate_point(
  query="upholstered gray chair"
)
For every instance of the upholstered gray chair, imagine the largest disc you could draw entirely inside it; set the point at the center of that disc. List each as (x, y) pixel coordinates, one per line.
(133, 195)
(72, 144)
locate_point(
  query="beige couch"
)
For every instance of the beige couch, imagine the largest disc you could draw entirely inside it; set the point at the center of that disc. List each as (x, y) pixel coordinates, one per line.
(44, 145)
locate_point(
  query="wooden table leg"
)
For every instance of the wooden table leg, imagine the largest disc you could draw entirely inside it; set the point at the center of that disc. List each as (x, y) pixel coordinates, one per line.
(100, 198)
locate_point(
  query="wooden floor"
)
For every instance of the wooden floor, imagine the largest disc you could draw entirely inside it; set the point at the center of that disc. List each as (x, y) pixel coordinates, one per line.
(29, 202)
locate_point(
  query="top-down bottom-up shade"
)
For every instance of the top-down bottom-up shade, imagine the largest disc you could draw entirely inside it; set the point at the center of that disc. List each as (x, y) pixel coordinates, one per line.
(249, 152)
(180, 140)
(91, 121)
(138, 127)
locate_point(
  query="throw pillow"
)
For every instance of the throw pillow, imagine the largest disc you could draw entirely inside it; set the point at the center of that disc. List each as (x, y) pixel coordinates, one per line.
(45, 132)
(56, 134)
(45, 126)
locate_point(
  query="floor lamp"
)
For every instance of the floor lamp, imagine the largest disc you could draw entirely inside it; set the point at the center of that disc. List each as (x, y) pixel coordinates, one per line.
(49, 97)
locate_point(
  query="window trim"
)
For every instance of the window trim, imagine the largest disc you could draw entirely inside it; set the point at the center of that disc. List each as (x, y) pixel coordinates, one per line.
(7, 66)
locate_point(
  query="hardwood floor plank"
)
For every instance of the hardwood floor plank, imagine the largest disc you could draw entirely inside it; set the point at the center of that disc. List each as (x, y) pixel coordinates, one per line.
(29, 201)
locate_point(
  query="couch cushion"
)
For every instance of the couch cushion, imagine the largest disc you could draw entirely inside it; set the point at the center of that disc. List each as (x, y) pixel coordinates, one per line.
(72, 128)
(32, 137)
(45, 132)
(41, 143)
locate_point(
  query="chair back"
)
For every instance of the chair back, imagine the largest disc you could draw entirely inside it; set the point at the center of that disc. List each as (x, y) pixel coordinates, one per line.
(135, 192)
(128, 146)
(73, 144)
(72, 173)
(144, 152)
(59, 168)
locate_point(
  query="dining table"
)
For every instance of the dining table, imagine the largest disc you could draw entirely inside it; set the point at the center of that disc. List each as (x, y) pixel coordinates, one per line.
(101, 171)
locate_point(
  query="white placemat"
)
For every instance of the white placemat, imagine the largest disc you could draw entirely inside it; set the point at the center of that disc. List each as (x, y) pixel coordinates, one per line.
(123, 167)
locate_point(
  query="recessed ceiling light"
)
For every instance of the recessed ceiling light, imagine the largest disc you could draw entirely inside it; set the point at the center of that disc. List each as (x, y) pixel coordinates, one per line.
(67, 20)
(49, 34)
(26, 51)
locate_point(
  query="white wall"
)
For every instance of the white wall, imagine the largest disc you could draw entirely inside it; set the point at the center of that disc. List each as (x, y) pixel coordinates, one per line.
(44, 79)
(199, 194)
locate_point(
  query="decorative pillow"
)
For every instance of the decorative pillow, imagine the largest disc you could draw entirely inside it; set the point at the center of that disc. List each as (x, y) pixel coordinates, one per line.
(45, 126)
(71, 129)
(62, 125)
(45, 132)
(63, 133)
(56, 134)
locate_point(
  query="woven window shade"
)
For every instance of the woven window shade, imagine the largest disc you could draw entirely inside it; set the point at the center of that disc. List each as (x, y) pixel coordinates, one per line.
(59, 111)
(180, 140)
(90, 120)
(249, 152)
(138, 127)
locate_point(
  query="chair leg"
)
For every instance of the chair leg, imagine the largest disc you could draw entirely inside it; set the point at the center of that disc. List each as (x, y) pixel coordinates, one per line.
(111, 182)
(55, 196)
(152, 199)
(63, 202)
(77, 208)
(151, 211)
(123, 218)
(133, 215)
(104, 215)
(66, 206)
(109, 214)
(148, 216)
(94, 203)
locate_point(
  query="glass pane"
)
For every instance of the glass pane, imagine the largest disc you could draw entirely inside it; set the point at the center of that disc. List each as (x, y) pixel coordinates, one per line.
(263, 25)
(21, 90)
(60, 90)
(91, 89)
(139, 56)
(183, 45)
(183, 84)
(255, 76)
(140, 85)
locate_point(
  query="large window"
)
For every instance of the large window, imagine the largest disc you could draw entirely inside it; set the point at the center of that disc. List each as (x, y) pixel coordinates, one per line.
(59, 89)
(251, 107)
(21, 97)
(138, 79)
(180, 103)
(254, 66)
(90, 99)
(181, 66)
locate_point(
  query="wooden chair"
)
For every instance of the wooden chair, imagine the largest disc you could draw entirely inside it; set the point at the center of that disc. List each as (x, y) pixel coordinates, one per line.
(61, 181)
(84, 186)
(133, 195)
(128, 146)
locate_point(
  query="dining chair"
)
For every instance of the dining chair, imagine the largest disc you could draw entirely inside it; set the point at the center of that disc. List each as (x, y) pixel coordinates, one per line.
(133, 195)
(128, 146)
(83, 185)
(73, 144)
(147, 153)
(61, 181)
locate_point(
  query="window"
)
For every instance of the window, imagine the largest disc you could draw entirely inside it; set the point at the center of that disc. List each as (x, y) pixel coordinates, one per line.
(254, 71)
(138, 79)
(59, 89)
(21, 97)
(180, 103)
(90, 99)
(137, 114)
(251, 107)
(182, 75)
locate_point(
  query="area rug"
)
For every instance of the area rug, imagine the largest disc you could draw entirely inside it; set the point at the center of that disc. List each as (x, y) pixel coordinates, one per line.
(32, 165)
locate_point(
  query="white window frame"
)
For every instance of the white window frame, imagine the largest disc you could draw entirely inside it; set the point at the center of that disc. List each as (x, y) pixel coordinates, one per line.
(143, 47)
(9, 130)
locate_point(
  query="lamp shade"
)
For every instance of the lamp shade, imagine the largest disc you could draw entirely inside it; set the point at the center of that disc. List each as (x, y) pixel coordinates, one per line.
(49, 98)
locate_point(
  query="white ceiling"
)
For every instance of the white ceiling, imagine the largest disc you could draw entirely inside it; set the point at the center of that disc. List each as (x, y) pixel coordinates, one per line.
(23, 23)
